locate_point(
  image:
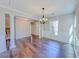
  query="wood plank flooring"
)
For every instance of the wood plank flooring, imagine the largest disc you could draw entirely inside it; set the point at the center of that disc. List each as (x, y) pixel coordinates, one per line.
(43, 48)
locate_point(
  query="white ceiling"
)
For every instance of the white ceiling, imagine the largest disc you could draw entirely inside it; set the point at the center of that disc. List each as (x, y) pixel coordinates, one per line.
(33, 7)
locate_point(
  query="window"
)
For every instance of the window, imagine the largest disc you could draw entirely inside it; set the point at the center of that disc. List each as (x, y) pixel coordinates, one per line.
(54, 27)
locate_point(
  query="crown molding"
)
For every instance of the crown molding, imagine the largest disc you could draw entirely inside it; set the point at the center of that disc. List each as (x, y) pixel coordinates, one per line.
(15, 11)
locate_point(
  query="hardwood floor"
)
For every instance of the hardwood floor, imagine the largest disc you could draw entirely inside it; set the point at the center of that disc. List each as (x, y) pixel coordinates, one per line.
(43, 48)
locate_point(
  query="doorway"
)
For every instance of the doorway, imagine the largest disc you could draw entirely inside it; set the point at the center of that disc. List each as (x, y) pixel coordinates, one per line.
(7, 30)
(35, 30)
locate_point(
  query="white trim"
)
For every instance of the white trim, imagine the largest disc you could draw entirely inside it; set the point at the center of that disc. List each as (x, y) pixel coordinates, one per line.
(11, 9)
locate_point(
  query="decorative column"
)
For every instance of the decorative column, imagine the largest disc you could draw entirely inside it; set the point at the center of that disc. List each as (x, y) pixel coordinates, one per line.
(39, 30)
(2, 33)
(12, 32)
(31, 31)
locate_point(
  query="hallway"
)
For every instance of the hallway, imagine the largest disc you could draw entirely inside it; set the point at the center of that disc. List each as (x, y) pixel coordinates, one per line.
(39, 48)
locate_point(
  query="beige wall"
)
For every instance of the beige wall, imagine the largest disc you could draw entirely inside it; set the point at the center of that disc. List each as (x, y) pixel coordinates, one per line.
(23, 27)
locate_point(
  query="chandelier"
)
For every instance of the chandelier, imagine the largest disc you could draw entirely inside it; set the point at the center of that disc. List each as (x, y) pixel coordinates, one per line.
(43, 20)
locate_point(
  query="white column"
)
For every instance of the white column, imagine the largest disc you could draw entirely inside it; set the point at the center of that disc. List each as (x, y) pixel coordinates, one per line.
(31, 32)
(12, 32)
(2, 33)
(40, 30)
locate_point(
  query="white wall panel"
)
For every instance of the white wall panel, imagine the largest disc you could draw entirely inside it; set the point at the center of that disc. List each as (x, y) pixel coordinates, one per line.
(22, 28)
